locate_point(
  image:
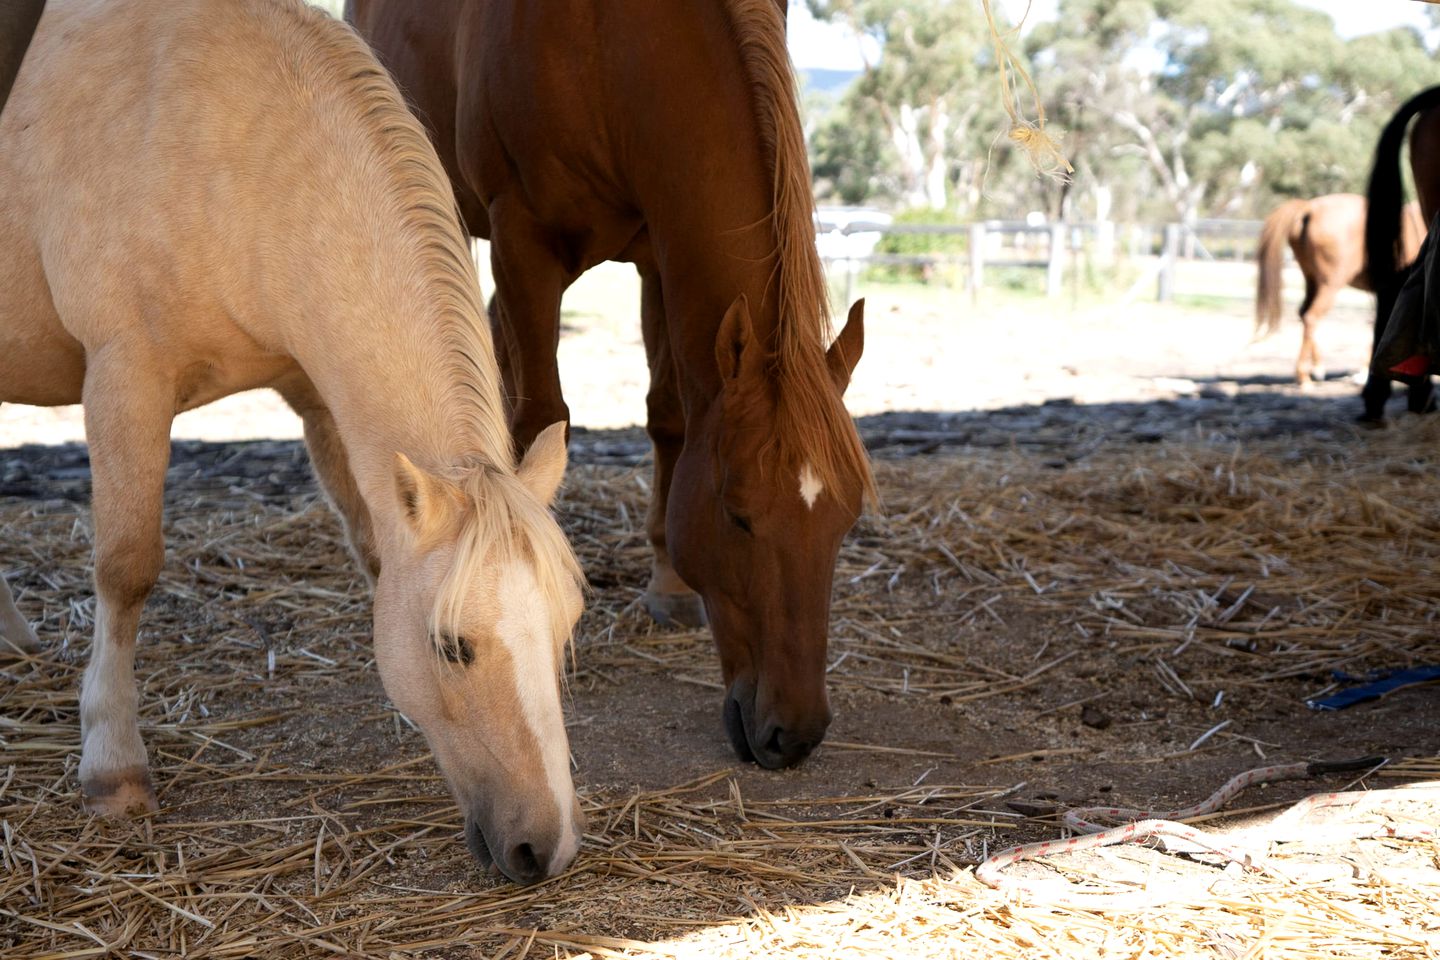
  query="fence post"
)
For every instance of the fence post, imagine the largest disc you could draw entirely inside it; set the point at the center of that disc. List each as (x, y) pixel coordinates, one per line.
(1055, 270)
(1165, 291)
(977, 261)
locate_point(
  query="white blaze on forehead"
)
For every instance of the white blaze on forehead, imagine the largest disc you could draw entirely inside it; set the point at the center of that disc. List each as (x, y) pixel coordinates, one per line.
(524, 628)
(810, 486)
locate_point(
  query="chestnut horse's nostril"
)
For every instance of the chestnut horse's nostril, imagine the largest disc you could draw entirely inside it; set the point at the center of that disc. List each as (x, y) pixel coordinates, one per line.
(782, 748)
(735, 730)
(773, 745)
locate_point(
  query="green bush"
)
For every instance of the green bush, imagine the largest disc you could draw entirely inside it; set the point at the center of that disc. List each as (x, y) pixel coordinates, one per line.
(949, 245)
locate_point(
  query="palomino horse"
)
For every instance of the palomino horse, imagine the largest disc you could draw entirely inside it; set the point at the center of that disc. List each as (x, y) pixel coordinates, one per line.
(204, 196)
(1327, 236)
(1386, 232)
(668, 135)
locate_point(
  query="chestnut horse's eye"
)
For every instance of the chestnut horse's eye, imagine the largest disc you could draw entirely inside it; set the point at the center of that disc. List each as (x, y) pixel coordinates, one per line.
(742, 522)
(456, 649)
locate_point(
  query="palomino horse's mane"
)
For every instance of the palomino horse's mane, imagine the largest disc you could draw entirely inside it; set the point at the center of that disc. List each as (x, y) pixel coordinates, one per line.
(505, 510)
(327, 55)
(501, 516)
(811, 418)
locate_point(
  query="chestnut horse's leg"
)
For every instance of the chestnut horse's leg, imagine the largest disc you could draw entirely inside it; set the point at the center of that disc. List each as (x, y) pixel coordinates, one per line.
(332, 468)
(129, 404)
(15, 632)
(1307, 333)
(667, 598)
(500, 337)
(529, 281)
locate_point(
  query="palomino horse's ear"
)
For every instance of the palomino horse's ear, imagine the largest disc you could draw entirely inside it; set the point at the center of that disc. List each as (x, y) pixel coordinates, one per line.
(429, 504)
(737, 355)
(845, 352)
(543, 466)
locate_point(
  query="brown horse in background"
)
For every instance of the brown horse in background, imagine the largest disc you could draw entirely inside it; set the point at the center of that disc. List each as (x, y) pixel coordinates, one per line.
(1327, 236)
(1387, 243)
(667, 135)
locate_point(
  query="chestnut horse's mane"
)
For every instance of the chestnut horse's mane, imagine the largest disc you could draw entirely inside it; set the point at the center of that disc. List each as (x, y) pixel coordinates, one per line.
(328, 55)
(811, 417)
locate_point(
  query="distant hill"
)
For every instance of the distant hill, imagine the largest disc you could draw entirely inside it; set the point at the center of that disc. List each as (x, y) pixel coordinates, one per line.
(831, 82)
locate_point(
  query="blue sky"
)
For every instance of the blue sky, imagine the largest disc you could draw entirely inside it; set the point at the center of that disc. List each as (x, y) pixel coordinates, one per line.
(816, 45)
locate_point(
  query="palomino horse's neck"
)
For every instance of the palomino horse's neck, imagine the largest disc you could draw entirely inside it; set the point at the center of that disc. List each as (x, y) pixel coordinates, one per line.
(400, 354)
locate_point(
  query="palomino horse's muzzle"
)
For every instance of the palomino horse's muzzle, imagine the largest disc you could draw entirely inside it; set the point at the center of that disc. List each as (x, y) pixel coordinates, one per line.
(759, 735)
(526, 854)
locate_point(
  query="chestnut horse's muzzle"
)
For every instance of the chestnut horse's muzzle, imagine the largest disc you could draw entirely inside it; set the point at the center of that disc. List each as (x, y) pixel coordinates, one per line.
(758, 734)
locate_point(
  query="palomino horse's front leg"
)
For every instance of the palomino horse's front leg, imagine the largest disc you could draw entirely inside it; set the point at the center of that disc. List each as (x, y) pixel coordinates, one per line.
(667, 598)
(15, 632)
(128, 409)
(529, 281)
(332, 468)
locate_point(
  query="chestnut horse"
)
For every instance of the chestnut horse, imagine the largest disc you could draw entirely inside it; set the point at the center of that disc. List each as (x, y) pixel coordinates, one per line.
(667, 135)
(205, 196)
(17, 25)
(1327, 236)
(1387, 245)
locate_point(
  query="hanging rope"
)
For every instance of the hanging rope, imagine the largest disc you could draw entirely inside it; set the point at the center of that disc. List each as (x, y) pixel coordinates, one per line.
(1042, 149)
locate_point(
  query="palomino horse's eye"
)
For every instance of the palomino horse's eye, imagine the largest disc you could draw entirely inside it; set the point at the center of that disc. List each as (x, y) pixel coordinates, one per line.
(456, 649)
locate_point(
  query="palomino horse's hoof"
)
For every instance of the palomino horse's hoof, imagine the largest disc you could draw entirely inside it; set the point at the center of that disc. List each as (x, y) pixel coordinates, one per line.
(676, 609)
(128, 793)
(27, 644)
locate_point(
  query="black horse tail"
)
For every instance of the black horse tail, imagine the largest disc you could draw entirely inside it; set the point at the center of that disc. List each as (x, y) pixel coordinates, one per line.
(1386, 203)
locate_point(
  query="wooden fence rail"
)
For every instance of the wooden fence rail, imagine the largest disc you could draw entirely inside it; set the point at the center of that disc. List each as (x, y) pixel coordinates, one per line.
(1047, 246)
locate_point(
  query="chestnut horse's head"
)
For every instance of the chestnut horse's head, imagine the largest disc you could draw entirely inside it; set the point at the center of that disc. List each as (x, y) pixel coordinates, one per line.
(761, 497)
(471, 620)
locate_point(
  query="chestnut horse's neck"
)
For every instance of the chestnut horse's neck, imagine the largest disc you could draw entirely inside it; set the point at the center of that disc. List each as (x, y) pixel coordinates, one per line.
(743, 221)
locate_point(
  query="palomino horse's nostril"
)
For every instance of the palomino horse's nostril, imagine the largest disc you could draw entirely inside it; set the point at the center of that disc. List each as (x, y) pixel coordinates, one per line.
(525, 866)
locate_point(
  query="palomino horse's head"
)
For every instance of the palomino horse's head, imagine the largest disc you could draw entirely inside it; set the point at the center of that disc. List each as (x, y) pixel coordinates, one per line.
(761, 497)
(470, 627)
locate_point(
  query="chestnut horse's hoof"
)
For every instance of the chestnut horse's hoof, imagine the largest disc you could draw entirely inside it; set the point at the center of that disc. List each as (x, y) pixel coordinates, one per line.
(676, 609)
(127, 793)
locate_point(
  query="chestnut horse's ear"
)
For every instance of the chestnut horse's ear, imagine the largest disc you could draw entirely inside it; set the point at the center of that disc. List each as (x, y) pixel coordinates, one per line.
(543, 466)
(737, 355)
(429, 504)
(845, 352)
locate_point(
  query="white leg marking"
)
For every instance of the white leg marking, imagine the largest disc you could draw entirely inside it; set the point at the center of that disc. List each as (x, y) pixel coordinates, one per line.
(109, 702)
(810, 486)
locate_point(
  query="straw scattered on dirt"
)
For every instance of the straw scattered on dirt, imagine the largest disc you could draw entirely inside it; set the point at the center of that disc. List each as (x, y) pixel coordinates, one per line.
(1018, 629)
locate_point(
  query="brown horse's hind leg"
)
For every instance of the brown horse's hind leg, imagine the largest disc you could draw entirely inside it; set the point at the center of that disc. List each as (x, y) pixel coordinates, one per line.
(529, 281)
(1313, 309)
(332, 468)
(667, 598)
(1307, 334)
(15, 632)
(128, 409)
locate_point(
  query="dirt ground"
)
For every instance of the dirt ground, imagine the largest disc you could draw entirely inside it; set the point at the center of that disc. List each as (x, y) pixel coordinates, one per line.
(1116, 554)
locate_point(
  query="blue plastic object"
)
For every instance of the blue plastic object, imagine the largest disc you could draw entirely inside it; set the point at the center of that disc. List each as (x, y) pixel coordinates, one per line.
(1374, 686)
